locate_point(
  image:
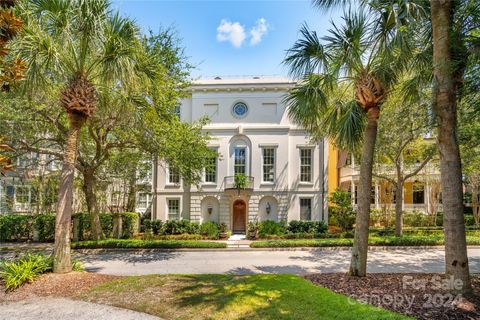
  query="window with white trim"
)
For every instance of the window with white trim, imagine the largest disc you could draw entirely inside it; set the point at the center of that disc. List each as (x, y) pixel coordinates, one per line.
(173, 209)
(142, 200)
(173, 175)
(268, 166)
(22, 194)
(211, 170)
(305, 209)
(306, 165)
(240, 161)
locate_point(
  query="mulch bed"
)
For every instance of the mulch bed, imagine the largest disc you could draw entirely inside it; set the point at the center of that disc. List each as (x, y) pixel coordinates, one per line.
(422, 296)
(58, 285)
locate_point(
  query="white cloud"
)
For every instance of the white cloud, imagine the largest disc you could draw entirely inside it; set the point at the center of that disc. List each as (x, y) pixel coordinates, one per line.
(231, 31)
(258, 31)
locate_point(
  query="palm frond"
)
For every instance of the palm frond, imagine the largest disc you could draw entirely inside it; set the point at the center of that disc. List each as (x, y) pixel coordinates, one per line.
(307, 55)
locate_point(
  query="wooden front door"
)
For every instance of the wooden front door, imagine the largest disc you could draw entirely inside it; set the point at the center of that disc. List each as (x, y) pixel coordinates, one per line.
(239, 216)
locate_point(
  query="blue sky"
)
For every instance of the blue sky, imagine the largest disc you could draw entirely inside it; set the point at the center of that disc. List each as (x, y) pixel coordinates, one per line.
(231, 37)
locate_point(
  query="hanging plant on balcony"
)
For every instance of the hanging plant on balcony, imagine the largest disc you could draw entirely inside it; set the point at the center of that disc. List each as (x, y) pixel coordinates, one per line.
(240, 181)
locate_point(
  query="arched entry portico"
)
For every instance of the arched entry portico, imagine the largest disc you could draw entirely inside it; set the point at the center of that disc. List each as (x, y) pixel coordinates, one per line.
(239, 216)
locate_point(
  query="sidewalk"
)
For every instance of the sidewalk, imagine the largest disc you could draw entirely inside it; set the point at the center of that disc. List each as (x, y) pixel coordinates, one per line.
(61, 308)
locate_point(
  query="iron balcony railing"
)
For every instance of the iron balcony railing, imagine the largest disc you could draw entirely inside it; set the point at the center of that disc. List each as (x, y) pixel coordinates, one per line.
(241, 183)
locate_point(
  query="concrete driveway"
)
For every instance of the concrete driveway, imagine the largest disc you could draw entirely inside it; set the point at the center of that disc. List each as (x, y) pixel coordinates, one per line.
(250, 262)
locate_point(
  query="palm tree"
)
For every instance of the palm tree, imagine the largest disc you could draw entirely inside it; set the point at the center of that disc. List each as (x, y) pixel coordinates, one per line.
(452, 22)
(344, 82)
(82, 47)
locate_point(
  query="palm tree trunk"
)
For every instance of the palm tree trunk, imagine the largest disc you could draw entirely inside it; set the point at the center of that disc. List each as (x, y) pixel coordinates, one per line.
(89, 182)
(358, 263)
(62, 259)
(444, 104)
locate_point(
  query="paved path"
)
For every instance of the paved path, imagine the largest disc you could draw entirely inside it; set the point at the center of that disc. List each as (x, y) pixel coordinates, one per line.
(249, 262)
(63, 309)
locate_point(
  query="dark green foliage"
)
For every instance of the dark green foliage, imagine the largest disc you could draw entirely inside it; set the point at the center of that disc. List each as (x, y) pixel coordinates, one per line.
(156, 226)
(16, 227)
(270, 227)
(341, 211)
(45, 226)
(179, 227)
(297, 226)
(210, 230)
(27, 268)
(129, 224)
(130, 243)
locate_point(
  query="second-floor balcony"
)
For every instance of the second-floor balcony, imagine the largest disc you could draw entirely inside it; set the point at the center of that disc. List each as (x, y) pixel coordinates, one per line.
(239, 183)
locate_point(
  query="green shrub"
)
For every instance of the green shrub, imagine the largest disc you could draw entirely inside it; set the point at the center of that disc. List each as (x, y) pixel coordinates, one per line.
(210, 230)
(341, 210)
(130, 243)
(270, 227)
(156, 226)
(25, 269)
(129, 224)
(45, 226)
(416, 219)
(14, 227)
(179, 227)
(298, 226)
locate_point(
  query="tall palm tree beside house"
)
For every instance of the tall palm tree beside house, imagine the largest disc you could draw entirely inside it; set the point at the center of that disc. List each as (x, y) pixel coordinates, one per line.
(455, 30)
(345, 79)
(82, 46)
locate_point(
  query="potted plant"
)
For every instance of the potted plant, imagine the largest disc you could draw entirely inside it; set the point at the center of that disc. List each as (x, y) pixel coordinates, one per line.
(240, 181)
(252, 230)
(223, 231)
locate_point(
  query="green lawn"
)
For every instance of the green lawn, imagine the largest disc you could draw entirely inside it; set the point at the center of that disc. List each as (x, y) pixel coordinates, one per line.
(406, 240)
(167, 244)
(231, 297)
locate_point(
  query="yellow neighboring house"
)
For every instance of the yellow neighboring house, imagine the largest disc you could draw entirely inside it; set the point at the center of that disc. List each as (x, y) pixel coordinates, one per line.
(421, 192)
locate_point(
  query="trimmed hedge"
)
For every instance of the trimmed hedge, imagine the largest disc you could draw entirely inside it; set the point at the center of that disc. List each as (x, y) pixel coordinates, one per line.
(190, 230)
(431, 240)
(45, 226)
(167, 244)
(129, 223)
(16, 227)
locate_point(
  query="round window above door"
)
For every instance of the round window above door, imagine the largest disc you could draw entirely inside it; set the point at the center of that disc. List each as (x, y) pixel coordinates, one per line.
(240, 110)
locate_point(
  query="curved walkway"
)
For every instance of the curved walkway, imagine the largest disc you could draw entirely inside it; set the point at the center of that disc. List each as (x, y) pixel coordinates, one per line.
(62, 309)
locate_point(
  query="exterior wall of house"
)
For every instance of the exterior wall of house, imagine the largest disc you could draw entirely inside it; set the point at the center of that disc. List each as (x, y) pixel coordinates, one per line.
(265, 125)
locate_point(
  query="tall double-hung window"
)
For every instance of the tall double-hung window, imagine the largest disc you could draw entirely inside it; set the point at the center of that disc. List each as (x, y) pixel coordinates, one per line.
(173, 175)
(240, 161)
(268, 165)
(211, 170)
(306, 171)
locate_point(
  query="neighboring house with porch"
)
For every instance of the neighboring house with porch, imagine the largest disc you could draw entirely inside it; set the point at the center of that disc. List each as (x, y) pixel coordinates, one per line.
(421, 192)
(284, 172)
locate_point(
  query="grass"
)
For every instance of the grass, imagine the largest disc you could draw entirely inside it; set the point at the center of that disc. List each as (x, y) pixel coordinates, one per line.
(406, 240)
(131, 243)
(200, 297)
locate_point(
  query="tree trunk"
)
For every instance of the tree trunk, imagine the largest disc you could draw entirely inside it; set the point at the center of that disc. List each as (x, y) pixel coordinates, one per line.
(444, 104)
(132, 191)
(358, 264)
(62, 259)
(89, 184)
(399, 208)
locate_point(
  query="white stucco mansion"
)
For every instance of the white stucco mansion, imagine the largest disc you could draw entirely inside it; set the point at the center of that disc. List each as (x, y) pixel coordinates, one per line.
(286, 173)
